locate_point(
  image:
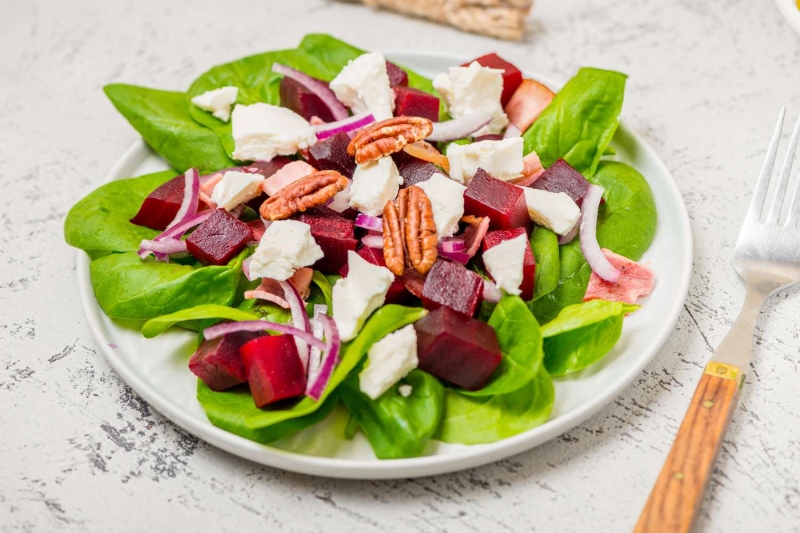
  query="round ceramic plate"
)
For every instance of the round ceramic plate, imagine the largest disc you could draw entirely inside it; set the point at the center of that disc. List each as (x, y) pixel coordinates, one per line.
(790, 10)
(157, 368)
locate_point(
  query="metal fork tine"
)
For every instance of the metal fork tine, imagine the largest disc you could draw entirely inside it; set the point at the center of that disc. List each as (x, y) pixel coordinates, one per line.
(780, 190)
(760, 194)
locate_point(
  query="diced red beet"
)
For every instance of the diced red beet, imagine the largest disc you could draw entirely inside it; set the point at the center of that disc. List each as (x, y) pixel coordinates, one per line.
(493, 238)
(489, 137)
(257, 228)
(331, 154)
(334, 234)
(458, 349)
(397, 293)
(414, 171)
(502, 202)
(414, 282)
(218, 362)
(512, 76)
(397, 76)
(561, 177)
(218, 239)
(410, 102)
(273, 368)
(161, 205)
(451, 285)
(302, 101)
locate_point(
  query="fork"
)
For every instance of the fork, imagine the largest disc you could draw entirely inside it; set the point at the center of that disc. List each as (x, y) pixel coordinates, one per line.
(767, 258)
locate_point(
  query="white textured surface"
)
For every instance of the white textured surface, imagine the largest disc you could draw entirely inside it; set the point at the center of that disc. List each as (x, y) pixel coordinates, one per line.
(80, 452)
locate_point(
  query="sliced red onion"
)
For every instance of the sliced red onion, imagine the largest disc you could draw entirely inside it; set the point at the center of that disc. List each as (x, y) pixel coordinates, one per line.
(343, 126)
(331, 359)
(191, 191)
(490, 292)
(369, 222)
(589, 245)
(164, 246)
(453, 244)
(299, 318)
(459, 257)
(474, 234)
(177, 231)
(315, 86)
(570, 236)
(246, 267)
(511, 132)
(372, 241)
(459, 128)
(315, 357)
(225, 328)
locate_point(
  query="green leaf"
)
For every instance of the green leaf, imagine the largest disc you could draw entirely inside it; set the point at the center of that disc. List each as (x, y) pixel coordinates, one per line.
(321, 281)
(156, 326)
(582, 334)
(520, 342)
(626, 225)
(162, 119)
(544, 244)
(231, 409)
(101, 220)
(127, 287)
(580, 121)
(485, 419)
(244, 418)
(397, 426)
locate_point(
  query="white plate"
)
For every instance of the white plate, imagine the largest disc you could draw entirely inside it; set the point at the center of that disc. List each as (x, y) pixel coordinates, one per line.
(790, 12)
(157, 370)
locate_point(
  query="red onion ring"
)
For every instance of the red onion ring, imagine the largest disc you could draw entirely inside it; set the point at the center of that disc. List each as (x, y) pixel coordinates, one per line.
(589, 245)
(459, 128)
(332, 347)
(218, 330)
(343, 126)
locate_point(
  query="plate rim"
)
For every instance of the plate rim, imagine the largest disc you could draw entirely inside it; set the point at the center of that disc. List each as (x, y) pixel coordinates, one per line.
(791, 13)
(470, 456)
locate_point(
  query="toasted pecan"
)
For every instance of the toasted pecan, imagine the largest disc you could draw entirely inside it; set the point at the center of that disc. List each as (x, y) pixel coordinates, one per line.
(387, 137)
(311, 191)
(409, 232)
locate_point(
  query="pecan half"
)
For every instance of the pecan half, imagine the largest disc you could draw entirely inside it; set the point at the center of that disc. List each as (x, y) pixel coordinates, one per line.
(311, 191)
(409, 232)
(387, 137)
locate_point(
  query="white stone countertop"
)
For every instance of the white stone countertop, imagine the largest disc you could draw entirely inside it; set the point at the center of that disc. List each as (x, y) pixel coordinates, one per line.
(80, 451)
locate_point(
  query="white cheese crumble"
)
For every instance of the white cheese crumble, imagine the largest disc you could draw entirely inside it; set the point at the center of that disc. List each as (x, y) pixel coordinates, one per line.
(359, 294)
(504, 263)
(363, 86)
(236, 188)
(263, 131)
(447, 201)
(390, 360)
(466, 89)
(286, 246)
(374, 184)
(555, 211)
(501, 159)
(217, 101)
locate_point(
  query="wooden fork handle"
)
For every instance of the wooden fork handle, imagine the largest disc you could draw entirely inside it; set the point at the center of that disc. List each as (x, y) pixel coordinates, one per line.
(676, 497)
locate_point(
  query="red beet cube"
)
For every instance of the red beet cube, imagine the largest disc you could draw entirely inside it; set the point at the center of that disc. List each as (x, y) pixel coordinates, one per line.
(161, 205)
(397, 293)
(397, 76)
(218, 239)
(502, 202)
(410, 102)
(302, 101)
(493, 238)
(512, 77)
(451, 285)
(331, 154)
(273, 368)
(561, 177)
(334, 234)
(218, 362)
(414, 171)
(458, 349)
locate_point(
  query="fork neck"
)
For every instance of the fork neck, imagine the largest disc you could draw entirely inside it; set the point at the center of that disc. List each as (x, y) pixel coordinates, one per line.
(737, 346)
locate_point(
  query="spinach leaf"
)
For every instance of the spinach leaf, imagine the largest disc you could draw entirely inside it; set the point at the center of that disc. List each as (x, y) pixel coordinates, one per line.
(397, 426)
(582, 334)
(544, 244)
(101, 220)
(230, 410)
(326, 290)
(162, 119)
(127, 287)
(520, 342)
(156, 326)
(242, 417)
(480, 420)
(626, 225)
(580, 121)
